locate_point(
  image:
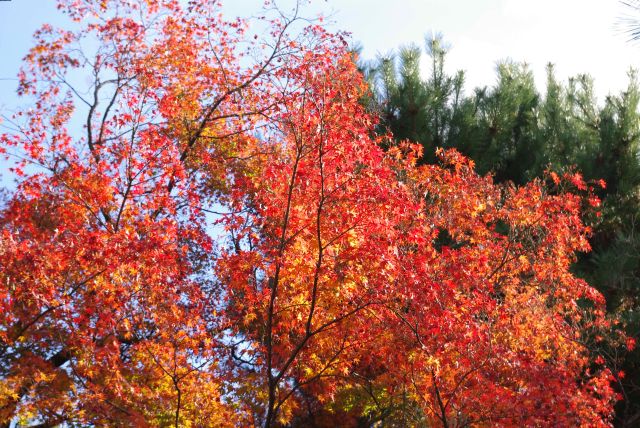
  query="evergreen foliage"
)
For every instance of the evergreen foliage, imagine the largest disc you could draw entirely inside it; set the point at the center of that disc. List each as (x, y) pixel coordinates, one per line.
(516, 132)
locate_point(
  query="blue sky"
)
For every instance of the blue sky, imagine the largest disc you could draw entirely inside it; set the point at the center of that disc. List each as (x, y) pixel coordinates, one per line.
(577, 35)
(18, 20)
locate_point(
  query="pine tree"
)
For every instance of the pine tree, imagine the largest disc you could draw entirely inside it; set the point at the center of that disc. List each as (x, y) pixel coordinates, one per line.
(516, 133)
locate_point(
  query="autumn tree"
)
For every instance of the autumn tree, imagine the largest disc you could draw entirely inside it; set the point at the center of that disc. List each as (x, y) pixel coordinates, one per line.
(109, 306)
(220, 240)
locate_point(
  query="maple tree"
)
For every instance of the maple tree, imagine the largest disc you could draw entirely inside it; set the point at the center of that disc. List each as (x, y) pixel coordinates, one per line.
(225, 243)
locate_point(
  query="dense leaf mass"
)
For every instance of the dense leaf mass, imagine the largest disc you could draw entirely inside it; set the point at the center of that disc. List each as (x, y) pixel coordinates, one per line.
(221, 240)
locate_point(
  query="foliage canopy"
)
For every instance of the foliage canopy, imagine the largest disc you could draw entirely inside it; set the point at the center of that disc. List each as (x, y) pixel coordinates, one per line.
(224, 242)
